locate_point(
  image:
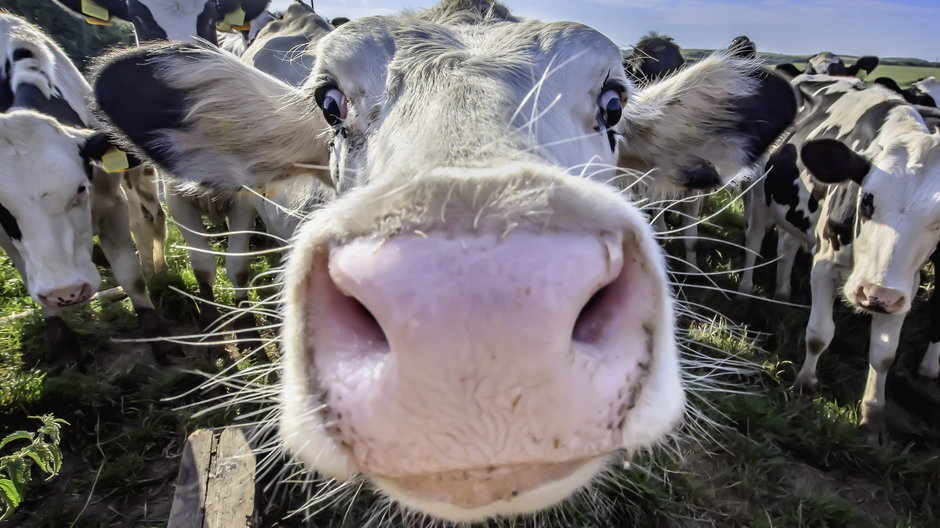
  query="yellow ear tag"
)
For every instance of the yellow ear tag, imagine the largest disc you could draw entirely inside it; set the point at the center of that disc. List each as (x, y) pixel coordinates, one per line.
(94, 10)
(235, 18)
(223, 27)
(243, 27)
(115, 160)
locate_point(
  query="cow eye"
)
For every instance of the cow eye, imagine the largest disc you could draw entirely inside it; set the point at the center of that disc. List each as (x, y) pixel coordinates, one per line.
(611, 105)
(868, 206)
(333, 104)
(81, 189)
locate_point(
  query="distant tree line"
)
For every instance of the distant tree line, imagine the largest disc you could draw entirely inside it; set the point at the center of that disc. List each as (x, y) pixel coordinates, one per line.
(81, 41)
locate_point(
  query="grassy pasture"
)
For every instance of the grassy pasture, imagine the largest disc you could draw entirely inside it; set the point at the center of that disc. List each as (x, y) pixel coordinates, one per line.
(757, 455)
(904, 75)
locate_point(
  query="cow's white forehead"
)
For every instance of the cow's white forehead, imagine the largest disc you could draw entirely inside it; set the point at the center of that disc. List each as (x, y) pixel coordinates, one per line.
(469, 84)
(37, 157)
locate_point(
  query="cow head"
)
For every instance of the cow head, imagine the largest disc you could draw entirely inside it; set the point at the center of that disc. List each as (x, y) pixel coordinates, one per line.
(897, 212)
(653, 57)
(45, 185)
(744, 47)
(480, 322)
(827, 63)
(177, 20)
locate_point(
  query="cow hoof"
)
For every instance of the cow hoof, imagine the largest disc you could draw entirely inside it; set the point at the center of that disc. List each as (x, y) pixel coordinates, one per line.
(806, 385)
(62, 341)
(153, 326)
(166, 353)
(874, 432)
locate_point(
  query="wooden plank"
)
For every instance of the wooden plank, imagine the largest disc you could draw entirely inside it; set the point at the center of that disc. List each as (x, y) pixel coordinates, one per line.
(187, 510)
(230, 495)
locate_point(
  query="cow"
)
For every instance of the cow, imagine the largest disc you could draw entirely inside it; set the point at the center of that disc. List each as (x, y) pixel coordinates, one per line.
(54, 196)
(188, 20)
(828, 63)
(238, 40)
(913, 95)
(285, 49)
(742, 46)
(859, 178)
(654, 57)
(171, 19)
(479, 323)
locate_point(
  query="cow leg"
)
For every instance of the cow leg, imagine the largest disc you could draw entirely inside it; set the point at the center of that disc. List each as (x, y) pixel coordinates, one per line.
(756, 214)
(147, 218)
(110, 215)
(241, 219)
(821, 328)
(189, 217)
(787, 248)
(690, 212)
(930, 364)
(885, 331)
(61, 340)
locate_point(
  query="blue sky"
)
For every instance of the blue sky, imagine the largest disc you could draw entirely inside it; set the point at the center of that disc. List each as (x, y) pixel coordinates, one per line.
(853, 27)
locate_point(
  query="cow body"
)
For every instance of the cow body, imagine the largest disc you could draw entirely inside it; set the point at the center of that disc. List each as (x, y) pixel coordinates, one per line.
(859, 179)
(53, 199)
(470, 150)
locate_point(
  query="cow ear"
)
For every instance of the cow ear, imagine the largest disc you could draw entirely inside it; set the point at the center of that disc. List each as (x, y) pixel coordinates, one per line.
(703, 125)
(97, 9)
(252, 8)
(788, 70)
(866, 63)
(831, 161)
(97, 147)
(205, 116)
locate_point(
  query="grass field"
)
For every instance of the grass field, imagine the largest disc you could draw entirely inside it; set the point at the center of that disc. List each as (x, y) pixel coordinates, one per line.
(758, 455)
(904, 75)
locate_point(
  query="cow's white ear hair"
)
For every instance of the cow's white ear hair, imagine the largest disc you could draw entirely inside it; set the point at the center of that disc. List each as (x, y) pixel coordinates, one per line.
(673, 125)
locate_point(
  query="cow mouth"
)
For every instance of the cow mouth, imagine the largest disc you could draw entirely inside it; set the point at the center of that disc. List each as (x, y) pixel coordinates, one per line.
(470, 494)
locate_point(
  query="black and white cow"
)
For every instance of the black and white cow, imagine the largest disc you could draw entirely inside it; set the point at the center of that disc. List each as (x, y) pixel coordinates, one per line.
(828, 63)
(859, 178)
(654, 57)
(53, 198)
(657, 51)
(187, 21)
(742, 46)
(286, 50)
(479, 325)
(238, 40)
(180, 20)
(914, 94)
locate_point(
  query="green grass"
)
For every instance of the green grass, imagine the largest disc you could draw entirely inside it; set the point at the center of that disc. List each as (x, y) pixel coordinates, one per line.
(904, 75)
(758, 455)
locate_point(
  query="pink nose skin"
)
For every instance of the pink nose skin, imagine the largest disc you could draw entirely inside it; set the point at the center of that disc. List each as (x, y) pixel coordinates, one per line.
(879, 299)
(456, 355)
(68, 296)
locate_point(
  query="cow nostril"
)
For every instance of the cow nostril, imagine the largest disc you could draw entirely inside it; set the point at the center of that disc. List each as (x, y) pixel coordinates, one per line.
(598, 316)
(363, 322)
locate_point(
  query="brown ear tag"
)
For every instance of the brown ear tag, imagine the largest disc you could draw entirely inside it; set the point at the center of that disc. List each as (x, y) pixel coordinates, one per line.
(95, 13)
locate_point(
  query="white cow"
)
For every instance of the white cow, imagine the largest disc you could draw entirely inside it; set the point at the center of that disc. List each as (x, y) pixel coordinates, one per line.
(478, 324)
(52, 197)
